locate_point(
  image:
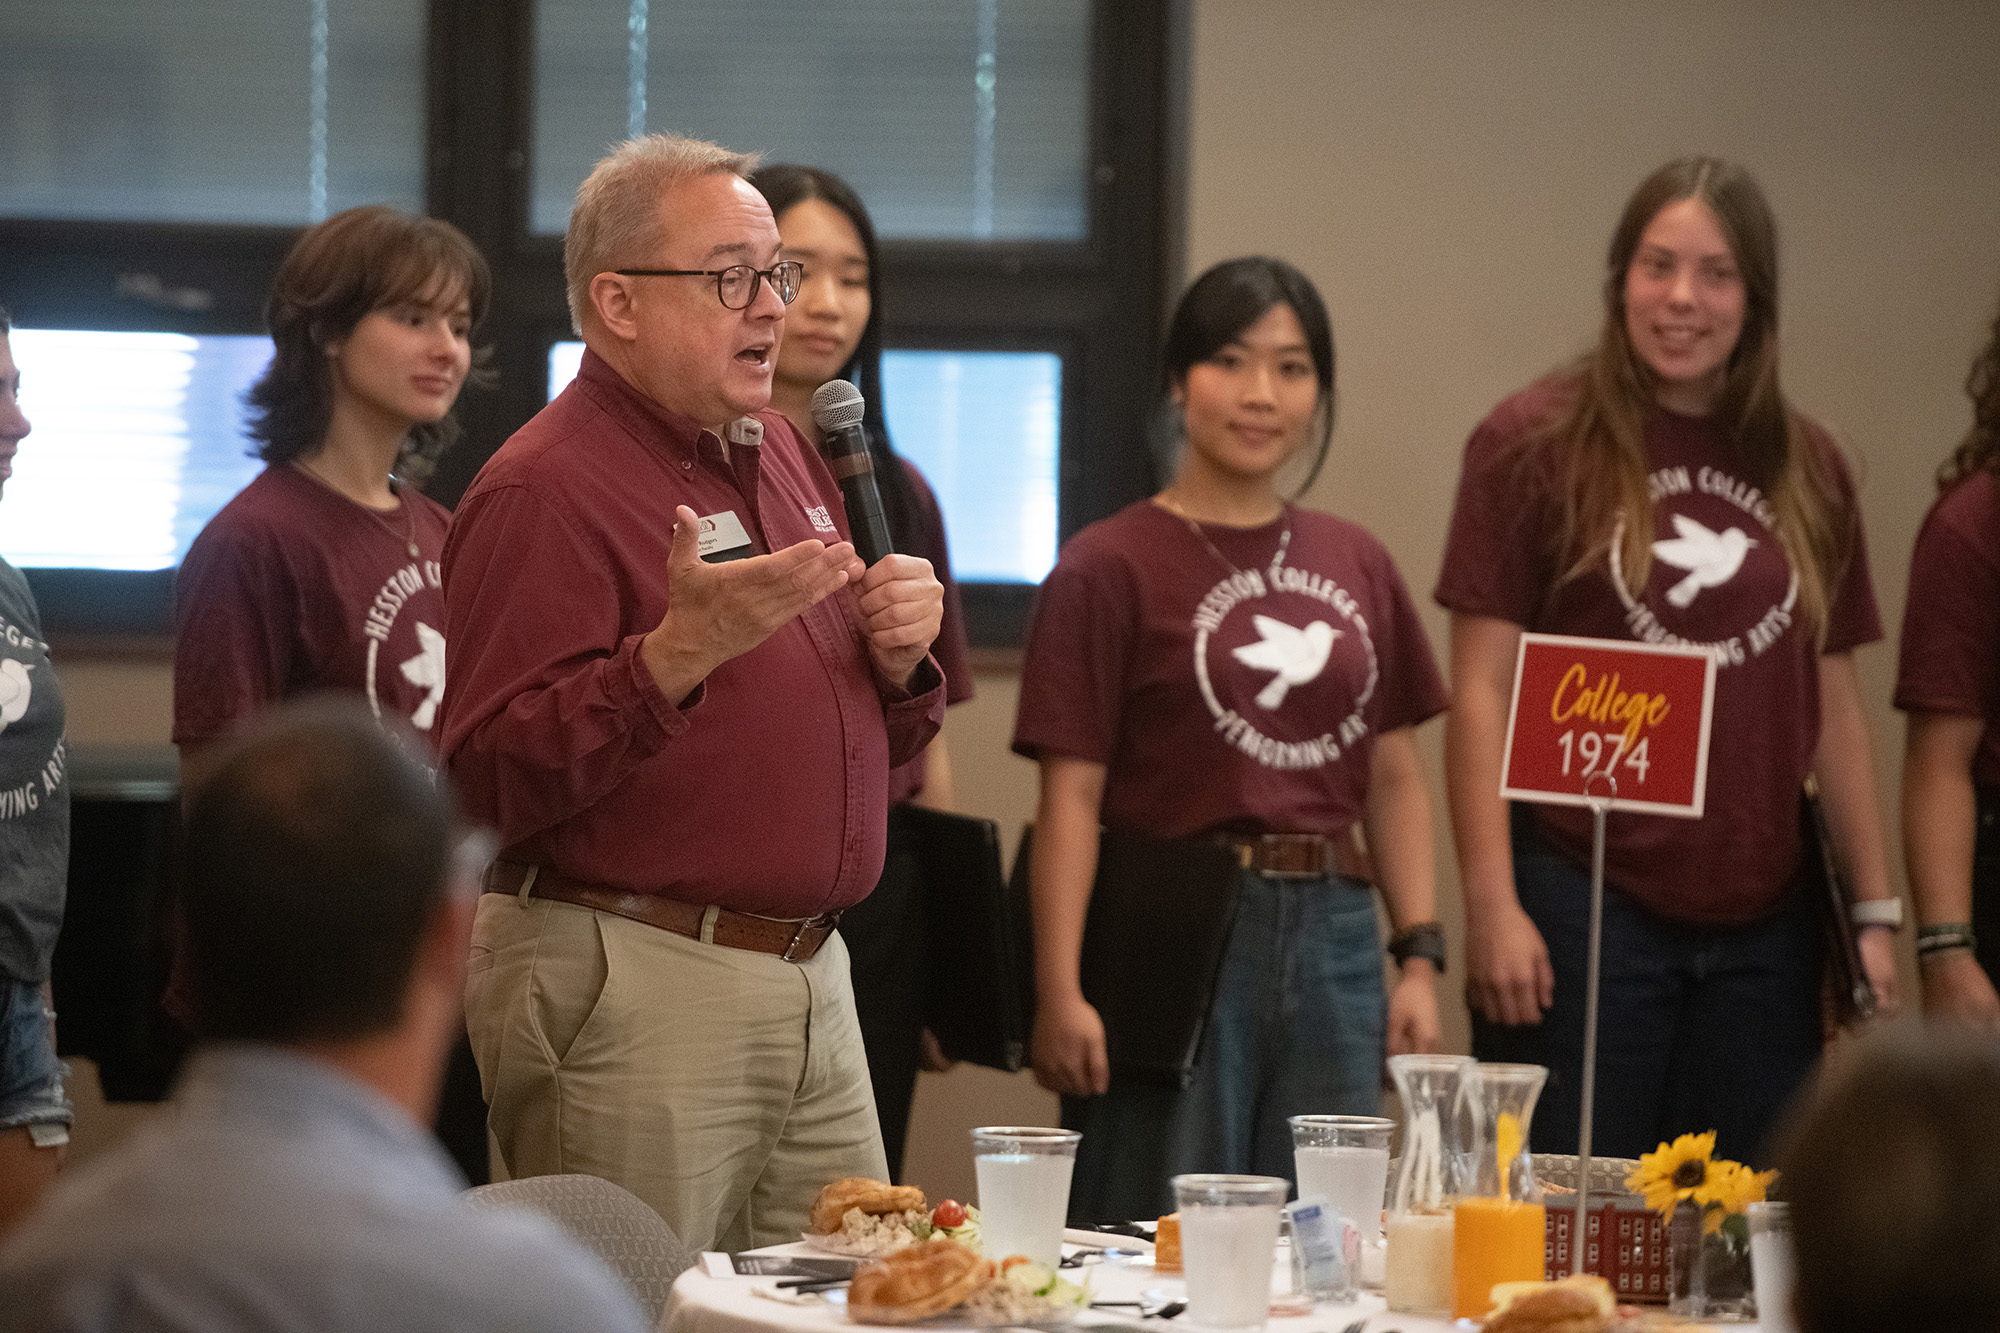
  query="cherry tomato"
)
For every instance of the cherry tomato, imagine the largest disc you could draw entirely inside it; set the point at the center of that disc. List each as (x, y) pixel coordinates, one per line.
(950, 1213)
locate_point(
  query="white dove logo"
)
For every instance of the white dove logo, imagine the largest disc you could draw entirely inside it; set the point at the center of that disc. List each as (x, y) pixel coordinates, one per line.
(1297, 655)
(426, 671)
(1711, 558)
(15, 690)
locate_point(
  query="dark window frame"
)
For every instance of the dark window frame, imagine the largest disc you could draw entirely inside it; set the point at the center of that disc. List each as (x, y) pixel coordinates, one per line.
(1098, 301)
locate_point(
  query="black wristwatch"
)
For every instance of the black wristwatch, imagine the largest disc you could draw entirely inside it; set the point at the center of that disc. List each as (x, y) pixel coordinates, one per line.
(1425, 939)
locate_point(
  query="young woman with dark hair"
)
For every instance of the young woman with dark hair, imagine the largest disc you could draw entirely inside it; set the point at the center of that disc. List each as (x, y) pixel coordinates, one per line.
(368, 269)
(833, 330)
(323, 573)
(1948, 683)
(34, 866)
(1217, 664)
(1664, 490)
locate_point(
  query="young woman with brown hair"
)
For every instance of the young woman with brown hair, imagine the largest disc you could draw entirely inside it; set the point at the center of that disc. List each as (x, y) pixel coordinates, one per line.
(1664, 490)
(324, 572)
(1948, 682)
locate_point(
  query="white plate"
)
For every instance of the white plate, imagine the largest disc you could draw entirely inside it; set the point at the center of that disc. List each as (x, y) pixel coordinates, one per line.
(957, 1318)
(834, 1245)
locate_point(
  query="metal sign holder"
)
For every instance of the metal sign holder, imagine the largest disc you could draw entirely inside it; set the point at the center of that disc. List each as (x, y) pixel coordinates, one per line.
(1534, 780)
(1600, 806)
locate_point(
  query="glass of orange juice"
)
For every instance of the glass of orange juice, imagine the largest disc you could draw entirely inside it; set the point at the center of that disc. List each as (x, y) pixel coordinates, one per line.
(1498, 1225)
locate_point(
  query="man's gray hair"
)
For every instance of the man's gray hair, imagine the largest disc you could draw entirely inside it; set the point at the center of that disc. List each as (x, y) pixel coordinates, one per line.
(617, 217)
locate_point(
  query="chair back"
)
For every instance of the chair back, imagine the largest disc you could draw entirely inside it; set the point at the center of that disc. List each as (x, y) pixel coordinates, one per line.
(609, 1221)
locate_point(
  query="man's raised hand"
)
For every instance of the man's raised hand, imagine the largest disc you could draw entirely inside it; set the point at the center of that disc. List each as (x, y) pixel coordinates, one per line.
(716, 612)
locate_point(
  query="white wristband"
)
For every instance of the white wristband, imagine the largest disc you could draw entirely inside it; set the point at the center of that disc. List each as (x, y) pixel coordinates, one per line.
(1877, 912)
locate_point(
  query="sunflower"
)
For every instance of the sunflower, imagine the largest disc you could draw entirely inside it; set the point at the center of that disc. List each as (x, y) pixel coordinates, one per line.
(1674, 1172)
(1720, 1195)
(1729, 1189)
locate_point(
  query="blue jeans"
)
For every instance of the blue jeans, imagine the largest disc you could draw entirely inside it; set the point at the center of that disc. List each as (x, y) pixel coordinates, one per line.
(31, 1078)
(1297, 1027)
(1698, 1028)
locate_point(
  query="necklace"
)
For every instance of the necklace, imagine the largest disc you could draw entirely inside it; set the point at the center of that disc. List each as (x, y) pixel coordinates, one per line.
(1168, 503)
(409, 533)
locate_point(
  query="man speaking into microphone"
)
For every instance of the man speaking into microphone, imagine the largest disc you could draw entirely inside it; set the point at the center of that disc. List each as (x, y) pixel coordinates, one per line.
(676, 692)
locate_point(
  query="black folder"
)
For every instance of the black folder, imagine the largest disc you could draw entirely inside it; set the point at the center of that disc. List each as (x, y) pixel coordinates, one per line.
(973, 999)
(1845, 989)
(1153, 941)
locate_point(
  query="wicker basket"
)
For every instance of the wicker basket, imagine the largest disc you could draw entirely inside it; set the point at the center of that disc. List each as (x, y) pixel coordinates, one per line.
(1607, 1174)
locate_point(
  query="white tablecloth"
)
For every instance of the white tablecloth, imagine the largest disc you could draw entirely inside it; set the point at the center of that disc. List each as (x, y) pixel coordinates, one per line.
(703, 1304)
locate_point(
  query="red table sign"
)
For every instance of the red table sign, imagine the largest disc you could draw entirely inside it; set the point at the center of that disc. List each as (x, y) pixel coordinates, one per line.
(1637, 712)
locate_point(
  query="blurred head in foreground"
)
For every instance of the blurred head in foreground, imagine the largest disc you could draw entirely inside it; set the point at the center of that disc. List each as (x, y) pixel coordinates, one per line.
(318, 905)
(1893, 1173)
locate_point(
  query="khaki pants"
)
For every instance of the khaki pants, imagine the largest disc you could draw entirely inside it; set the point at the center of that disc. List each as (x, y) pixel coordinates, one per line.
(723, 1087)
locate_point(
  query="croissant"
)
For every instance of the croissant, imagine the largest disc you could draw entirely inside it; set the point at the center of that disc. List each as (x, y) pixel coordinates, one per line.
(1574, 1305)
(870, 1196)
(916, 1283)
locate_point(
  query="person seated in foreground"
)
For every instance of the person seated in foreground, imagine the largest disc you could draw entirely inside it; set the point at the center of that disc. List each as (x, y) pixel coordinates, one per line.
(1893, 1173)
(291, 1183)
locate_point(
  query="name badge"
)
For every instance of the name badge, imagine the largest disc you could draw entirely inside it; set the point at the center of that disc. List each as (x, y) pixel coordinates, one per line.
(723, 537)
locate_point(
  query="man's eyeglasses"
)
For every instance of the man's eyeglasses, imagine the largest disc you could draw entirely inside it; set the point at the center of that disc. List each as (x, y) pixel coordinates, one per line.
(735, 286)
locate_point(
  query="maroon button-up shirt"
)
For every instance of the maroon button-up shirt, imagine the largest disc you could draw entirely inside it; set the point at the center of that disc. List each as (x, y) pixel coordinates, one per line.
(765, 790)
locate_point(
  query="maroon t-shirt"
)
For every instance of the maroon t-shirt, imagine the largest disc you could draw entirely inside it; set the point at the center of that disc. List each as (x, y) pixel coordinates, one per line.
(953, 655)
(1242, 699)
(766, 790)
(293, 587)
(1951, 624)
(1720, 580)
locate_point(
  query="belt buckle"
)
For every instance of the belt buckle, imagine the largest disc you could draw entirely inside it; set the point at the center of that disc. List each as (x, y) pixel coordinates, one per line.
(798, 933)
(1306, 842)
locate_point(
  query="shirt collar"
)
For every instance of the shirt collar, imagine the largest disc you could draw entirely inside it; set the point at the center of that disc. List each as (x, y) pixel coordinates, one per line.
(645, 418)
(272, 1084)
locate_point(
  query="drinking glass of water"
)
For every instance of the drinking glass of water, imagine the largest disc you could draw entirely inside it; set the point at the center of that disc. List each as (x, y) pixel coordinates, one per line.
(1344, 1159)
(1771, 1274)
(1023, 1189)
(1229, 1244)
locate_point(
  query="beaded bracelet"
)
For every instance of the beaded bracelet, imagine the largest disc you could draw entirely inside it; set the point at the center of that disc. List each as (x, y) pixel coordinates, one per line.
(1944, 936)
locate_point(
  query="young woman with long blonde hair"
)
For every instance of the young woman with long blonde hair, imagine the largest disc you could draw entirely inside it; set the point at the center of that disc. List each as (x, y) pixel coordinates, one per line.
(1664, 490)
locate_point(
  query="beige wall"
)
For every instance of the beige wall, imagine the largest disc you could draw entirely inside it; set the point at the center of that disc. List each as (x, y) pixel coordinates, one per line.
(1449, 173)
(123, 700)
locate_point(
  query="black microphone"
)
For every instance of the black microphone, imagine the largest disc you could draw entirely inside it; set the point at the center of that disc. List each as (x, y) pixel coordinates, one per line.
(837, 411)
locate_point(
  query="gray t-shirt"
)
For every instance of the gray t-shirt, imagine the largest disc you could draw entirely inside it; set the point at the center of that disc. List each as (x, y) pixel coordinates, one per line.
(274, 1194)
(34, 788)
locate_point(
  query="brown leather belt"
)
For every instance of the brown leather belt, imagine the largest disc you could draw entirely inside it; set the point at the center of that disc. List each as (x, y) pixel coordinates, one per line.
(1301, 855)
(794, 940)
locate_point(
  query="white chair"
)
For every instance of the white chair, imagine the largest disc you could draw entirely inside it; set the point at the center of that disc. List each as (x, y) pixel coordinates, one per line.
(607, 1219)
